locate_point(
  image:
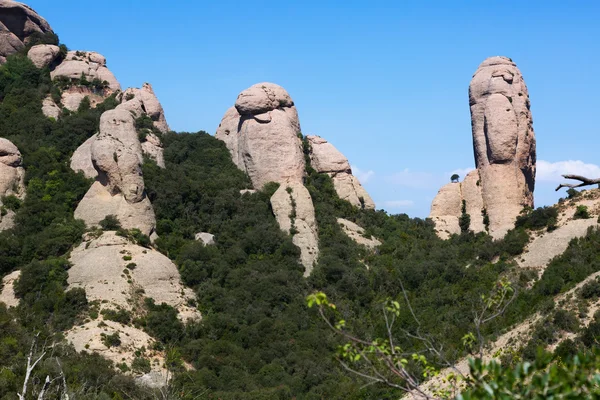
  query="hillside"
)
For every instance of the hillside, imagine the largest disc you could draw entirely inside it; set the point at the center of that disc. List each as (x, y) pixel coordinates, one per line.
(139, 262)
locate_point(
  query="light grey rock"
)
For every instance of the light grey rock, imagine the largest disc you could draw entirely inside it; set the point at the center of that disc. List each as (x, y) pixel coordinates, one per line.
(299, 220)
(206, 238)
(144, 101)
(82, 159)
(89, 64)
(12, 179)
(325, 158)
(446, 208)
(116, 155)
(357, 233)
(50, 109)
(504, 141)
(43, 55)
(261, 133)
(7, 290)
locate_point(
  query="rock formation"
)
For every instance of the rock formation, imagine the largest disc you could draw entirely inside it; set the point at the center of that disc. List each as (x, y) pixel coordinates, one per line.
(504, 146)
(50, 109)
(262, 133)
(7, 289)
(82, 159)
(144, 101)
(357, 233)
(503, 140)
(43, 55)
(446, 207)
(12, 177)
(116, 154)
(325, 158)
(88, 64)
(118, 275)
(294, 211)
(208, 239)
(18, 23)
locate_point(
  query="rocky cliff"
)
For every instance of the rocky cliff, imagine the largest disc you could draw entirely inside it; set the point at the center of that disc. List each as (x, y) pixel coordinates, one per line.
(18, 25)
(504, 147)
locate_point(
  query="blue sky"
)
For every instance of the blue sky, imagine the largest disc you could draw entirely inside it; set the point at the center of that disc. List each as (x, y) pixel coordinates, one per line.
(385, 81)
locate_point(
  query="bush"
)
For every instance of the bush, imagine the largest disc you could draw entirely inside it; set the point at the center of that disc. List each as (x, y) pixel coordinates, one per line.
(515, 241)
(121, 316)
(590, 290)
(581, 212)
(110, 223)
(113, 340)
(565, 320)
(141, 365)
(542, 217)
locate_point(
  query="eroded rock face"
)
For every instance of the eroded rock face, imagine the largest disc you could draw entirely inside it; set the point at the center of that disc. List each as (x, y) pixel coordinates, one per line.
(12, 179)
(91, 64)
(295, 213)
(98, 265)
(144, 101)
(325, 158)
(18, 23)
(43, 55)
(208, 239)
(7, 291)
(446, 207)
(503, 140)
(505, 156)
(116, 155)
(261, 132)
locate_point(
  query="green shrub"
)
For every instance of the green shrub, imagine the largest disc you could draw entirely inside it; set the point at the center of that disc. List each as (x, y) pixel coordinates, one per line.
(110, 223)
(113, 340)
(121, 315)
(581, 212)
(542, 217)
(141, 365)
(566, 320)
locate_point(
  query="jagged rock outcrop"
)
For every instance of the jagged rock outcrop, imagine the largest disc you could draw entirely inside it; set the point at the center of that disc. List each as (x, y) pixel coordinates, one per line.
(261, 132)
(144, 101)
(43, 55)
(295, 213)
(116, 155)
(12, 176)
(504, 146)
(99, 265)
(325, 158)
(89, 64)
(503, 140)
(18, 23)
(446, 207)
(357, 233)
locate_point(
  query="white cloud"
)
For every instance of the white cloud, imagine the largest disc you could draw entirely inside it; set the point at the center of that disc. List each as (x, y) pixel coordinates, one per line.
(414, 179)
(362, 176)
(551, 172)
(398, 203)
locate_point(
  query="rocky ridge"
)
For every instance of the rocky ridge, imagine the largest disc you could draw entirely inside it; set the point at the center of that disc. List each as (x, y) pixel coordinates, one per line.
(504, 146)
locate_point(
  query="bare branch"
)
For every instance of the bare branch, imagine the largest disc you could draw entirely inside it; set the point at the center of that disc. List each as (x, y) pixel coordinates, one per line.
(584, 181)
